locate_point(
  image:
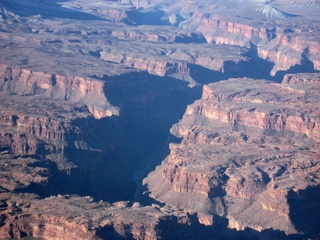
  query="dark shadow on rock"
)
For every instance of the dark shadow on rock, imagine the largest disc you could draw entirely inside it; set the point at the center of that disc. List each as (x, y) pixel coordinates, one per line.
(116, 147)
(258, 68)
(108, 232)
(193, 230)
(305, 210)
(136, 17)
(102, 175)
(149, 105)
(145, 199)
(192, 38)
(111, 150)
(306, 66)
(58, 183)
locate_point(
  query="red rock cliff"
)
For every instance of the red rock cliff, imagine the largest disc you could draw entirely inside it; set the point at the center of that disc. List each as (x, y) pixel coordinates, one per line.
(274, 44)
(247, 146)
(70, 88)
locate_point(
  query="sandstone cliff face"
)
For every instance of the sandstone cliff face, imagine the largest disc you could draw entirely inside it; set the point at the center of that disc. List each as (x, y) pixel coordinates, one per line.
(71, 217)
(179, 70)
(45, 132)
(247, 146)
(178, 61)
(74, 89)
(242, 32)
(273, 119)
(273, 43)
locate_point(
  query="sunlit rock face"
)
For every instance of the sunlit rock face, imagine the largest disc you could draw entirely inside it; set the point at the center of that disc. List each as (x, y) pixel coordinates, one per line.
(72, 217)
(247, 146)
(74, 89)
(94, 93)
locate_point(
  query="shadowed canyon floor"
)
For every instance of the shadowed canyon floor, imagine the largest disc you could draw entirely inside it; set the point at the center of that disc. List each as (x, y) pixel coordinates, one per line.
(157, 119)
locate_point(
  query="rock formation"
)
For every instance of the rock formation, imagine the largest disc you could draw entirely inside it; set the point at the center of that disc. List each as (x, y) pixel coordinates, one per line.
(74, 89)
(249, 148)
(271, 28)
(90, 89)
(72, 217)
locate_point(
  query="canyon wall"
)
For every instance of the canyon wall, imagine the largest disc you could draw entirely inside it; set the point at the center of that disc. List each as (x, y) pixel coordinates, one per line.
(180, 62)
(280, 44)
(69, 88)
(71, 217)
(247, 165)
(247, 145)
(179, 70)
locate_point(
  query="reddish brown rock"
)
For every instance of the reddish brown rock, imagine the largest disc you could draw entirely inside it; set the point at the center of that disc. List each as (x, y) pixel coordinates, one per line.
(72, 217)
(249, 154)
(74, 89)
(286, 50)
(178, 61)
(249, 146)
(45, 132)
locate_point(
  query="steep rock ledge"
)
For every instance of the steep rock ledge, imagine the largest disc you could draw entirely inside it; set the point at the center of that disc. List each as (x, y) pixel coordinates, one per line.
(268, 110)
(179, 70)
(178, 60)
(245, 149)
(74, 89)
(45, 132)
(286, 49)
(72, 217)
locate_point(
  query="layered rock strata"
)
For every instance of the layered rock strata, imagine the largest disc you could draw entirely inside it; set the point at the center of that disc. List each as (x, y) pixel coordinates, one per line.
(179, 61)
(249, 150)
(281, 44)
(72, 217)
(74, 89)
(24, 215)
(279, 30)
(249, 154)
(26, 129)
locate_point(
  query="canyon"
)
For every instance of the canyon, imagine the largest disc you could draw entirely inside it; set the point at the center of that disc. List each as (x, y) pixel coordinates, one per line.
(238, 158)
(155, 119)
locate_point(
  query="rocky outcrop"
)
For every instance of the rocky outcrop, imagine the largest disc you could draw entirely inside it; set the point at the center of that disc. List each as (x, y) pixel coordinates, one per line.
(275, 44)
(247, 145)
(272, 33)
(243, 33)
(71, 217)
(180, 62)
(281, 117)
(111, 12)
(23, 172)
(44, 132)
(179, 70)
(140, 36)
(69, 88)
